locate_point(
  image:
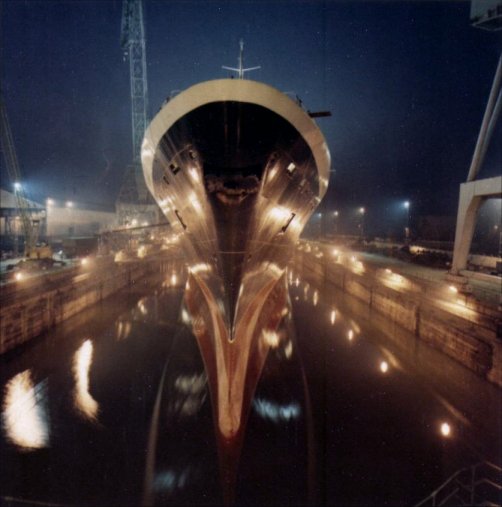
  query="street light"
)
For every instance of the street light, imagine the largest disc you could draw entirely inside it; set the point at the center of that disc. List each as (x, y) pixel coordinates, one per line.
(406, 204)
(69, 204)
(50, 202)
(17, 186)
(335, 214)
(362, 211)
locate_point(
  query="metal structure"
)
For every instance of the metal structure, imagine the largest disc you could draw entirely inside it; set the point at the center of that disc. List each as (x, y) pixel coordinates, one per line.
(30, 223)
(475, 191)
(479, 484)
(134, 202)
(240, 61)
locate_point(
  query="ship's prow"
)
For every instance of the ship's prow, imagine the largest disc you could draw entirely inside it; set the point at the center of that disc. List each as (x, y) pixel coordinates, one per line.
(237, 167)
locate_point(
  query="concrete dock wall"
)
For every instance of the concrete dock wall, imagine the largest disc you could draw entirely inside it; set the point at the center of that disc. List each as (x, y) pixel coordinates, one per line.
(32, 306)
(465, 330)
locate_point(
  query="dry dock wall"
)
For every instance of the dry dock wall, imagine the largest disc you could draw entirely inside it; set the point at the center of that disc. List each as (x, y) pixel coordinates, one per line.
(470, 333)
(32, 306)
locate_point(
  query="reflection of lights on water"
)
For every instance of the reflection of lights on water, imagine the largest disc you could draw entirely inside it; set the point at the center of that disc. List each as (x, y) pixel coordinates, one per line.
(350, 335)
(185, 317)
(24, 413)
(191, 395)
(384, 366)
(190, 384)
(315, 298)
(306, 291)
(84, 402)
(445, 429)
(142, 307)
(275, 412)
(288, 349)
(290, 277)
(170, 480)
(332, 317)
(297, 282)
(123, 329)
(270, 338)
(174, 279)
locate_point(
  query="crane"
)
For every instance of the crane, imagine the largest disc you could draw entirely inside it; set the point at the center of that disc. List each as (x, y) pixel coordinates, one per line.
(30, 224)
(133, 198)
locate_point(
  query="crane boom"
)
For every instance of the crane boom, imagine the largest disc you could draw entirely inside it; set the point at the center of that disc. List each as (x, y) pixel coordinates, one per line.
(12, 164)
(132, 41)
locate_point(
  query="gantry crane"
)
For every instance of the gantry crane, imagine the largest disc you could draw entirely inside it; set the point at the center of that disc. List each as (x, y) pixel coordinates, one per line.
(134, 200)
(30, 223)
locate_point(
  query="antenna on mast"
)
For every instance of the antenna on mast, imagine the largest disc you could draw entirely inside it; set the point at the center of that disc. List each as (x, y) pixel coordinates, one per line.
(240, 69)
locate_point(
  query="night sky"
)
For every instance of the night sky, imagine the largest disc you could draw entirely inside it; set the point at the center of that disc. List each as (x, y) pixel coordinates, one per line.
(406, 82)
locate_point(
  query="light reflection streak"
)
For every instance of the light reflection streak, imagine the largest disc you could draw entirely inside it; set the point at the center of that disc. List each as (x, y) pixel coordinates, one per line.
(270, 338)
(332, 317)
(82, 399)
(24, 415)
(275, 412)
(315, 298)
(288, 349)
(123, 329)
(170, 480)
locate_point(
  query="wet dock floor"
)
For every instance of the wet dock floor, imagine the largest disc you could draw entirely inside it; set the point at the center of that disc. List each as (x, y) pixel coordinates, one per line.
(113, 408)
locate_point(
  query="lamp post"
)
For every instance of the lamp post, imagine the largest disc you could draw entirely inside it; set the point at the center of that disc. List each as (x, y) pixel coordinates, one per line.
(406, 204)
(335, 218)
(71, 229)
(320, 224)
(362, 212)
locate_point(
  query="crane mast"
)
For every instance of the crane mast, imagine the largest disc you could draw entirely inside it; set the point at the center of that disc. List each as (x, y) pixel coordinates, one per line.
(133, 196)
(29, 225)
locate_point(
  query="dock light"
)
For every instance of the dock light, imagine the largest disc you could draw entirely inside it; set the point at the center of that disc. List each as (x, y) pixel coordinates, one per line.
(84, 261)
(445, 429)
(134, 222)
(453, 289)
(17, 186)
(69, 204)
(50, 202)
(18, 276)
(362, 211)
(384, 366)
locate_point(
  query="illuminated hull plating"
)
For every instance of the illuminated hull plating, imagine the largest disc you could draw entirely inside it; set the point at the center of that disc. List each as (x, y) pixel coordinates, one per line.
(237, 168)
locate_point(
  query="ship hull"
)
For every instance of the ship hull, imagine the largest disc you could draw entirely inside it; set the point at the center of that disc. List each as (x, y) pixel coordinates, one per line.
(237, 167)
